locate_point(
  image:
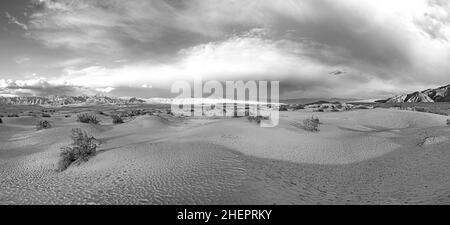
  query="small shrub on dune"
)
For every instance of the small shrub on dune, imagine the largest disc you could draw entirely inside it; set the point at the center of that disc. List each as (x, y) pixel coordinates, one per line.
(258, 119)
(169, 112)
(117, 119)
(82, 148)
(311, 124)
(43, 124)
(46, 115)
(299, 107)
(283, 108)
(420, 109)
(88, 118)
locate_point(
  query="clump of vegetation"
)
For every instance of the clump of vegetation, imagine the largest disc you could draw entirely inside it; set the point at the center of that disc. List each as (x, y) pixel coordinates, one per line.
(298, 107)
(448, 122)
(13, 115)
(1, 121)
(82, 148)
(88, 118)
(67, 116)
(420, 109)
(46, 115)
(311, 124)
(169, 112)
(257, 119)
(117, 119)
(133, 113)
(362, 107)
(43, 124)
(283, 108)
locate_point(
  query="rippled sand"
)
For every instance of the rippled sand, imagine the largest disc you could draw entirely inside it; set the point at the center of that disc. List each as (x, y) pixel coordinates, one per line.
(359, 157)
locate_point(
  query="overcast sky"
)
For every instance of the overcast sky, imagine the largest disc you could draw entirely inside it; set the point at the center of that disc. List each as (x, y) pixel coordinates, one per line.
(315, 48)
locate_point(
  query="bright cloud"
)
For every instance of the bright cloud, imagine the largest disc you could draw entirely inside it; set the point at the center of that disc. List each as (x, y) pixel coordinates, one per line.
(384, 46)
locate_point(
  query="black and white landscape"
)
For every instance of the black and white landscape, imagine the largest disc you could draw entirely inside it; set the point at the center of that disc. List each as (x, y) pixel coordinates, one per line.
(87, 102)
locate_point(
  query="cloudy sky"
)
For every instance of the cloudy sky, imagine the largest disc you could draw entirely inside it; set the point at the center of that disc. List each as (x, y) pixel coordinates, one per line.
(315, 48)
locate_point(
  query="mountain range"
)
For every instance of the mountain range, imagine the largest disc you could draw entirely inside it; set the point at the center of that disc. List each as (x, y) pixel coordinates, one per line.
(67, 100)
(441, 94)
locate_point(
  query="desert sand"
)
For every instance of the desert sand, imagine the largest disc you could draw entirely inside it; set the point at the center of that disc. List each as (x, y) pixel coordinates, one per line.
(378, 156)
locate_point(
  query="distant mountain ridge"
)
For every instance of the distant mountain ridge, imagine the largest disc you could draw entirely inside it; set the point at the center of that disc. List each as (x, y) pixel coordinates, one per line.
(441, 94)
(67, 100)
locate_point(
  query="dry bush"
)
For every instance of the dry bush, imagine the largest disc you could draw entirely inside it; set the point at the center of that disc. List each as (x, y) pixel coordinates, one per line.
(420, 109)
(43, 124)
(46, 115)
(258, 119)
(311, 124)
(82, 148)
(117, 119)
(102, 113)
(88, 118)
(299, 107)
(283, 108)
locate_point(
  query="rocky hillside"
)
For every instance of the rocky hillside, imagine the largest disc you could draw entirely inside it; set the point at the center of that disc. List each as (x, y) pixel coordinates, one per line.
(67, 100)
(441, 94)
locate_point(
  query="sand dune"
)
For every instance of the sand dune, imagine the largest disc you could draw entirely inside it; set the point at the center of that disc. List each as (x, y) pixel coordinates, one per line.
(362, 157)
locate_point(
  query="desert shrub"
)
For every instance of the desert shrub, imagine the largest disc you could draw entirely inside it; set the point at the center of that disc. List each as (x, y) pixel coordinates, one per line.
(82, 148)
(46, 115)
(448, 122)
(88, 118)
(257, 119)
(67, 116)
(43, 124)
(362, 107)
(318, 110)
(139, 112)
(13, 115)
(299, 107)
(311, 124)
(420, 109)
(1, 121)
(283, 108)
(117, 119)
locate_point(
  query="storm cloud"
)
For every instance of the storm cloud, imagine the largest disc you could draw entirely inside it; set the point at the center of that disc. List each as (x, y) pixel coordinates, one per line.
(384, 47)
